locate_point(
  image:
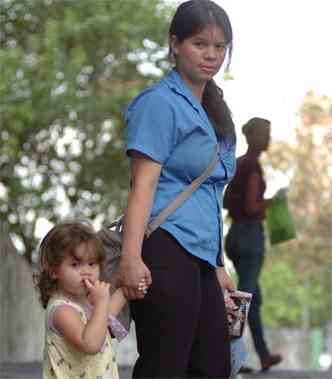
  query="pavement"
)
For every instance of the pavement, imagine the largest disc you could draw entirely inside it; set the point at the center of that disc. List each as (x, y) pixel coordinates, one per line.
(32, 370)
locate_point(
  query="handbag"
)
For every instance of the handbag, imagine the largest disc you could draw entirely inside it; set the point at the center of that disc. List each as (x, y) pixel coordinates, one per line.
(111, 235)
(280, 224)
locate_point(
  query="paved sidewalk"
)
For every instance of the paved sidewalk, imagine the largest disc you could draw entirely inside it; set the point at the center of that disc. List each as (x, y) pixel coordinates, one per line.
(32, 370)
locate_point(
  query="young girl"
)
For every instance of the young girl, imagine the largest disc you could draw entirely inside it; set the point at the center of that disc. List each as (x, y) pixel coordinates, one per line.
(79, 308)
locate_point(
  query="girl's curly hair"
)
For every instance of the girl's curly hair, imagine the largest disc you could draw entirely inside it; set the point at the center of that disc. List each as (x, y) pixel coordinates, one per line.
(59, 242)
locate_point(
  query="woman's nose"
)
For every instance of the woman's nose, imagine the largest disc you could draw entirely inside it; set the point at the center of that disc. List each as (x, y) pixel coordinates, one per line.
(211, 53)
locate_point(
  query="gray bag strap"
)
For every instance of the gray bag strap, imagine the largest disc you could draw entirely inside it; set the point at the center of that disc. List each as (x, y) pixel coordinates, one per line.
(154, 224)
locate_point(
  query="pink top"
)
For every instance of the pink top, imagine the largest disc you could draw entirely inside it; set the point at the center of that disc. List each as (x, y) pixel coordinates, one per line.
(236, 192)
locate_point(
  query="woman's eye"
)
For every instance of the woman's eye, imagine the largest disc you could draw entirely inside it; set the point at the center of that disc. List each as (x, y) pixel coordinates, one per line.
(221, 46)
(199, 44)
(75, 265)
(93, 263)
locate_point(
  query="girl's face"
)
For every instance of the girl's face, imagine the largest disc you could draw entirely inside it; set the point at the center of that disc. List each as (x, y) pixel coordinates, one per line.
(199, 57)
(70, 274)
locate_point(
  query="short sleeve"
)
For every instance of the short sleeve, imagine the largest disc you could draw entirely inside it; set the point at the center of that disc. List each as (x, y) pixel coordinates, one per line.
(151, 126)
(115, 328)
(54, 307)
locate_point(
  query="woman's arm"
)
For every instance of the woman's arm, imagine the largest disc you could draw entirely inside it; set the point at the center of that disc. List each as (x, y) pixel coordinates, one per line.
(224, 279)
(253, 202)
(144, 178)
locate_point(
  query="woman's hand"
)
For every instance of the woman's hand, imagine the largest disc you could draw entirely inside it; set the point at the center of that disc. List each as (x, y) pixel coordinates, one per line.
(224, 279)
(134, 277)
(231, 307)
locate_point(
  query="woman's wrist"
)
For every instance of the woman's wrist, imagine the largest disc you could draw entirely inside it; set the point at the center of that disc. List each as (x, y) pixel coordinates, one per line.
(128, 256)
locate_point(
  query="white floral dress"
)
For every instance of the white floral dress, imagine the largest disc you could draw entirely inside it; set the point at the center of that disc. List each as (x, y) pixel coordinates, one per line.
(63, 361)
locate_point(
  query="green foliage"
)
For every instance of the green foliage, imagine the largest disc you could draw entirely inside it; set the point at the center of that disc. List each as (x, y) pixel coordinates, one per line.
(297, 280)
(287, 297)
(68, 70)
(282, 286)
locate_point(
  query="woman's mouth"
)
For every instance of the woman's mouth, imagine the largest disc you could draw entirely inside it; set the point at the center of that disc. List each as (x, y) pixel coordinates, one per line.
(208, 69)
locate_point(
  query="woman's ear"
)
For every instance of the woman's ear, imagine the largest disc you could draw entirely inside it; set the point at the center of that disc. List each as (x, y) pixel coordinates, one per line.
(173, 43)
(54, 275)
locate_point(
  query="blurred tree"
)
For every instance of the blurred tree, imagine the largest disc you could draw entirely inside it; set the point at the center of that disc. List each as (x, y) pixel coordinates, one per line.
(68, 70)
(296, 270)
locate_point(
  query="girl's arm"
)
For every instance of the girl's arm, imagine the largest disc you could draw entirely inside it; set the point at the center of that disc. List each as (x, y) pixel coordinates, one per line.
(253, 203)
(144, 178)
(117, 301)
(87, 338)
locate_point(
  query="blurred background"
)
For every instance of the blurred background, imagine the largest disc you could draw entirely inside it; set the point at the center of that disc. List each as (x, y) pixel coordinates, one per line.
(69, 69)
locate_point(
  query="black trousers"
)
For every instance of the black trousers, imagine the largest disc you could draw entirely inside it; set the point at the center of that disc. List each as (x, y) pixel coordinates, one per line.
(181, 324)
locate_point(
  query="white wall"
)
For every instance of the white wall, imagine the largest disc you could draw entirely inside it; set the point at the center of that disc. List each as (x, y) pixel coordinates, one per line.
(21, 315)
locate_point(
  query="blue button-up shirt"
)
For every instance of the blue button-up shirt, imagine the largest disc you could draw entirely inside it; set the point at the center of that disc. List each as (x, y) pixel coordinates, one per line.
(167, 123)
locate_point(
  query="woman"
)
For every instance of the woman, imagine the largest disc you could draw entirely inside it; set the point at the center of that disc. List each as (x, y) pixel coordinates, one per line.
(173, 128)
(244, 199)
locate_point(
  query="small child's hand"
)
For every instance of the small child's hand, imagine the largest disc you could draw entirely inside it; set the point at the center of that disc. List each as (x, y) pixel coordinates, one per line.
(142, 286)
(98, 291)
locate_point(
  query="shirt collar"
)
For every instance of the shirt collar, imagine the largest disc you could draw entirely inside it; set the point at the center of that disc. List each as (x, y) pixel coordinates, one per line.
(174, 81)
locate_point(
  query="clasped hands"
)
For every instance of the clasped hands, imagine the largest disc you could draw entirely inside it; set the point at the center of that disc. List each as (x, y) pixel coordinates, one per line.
(134, 277)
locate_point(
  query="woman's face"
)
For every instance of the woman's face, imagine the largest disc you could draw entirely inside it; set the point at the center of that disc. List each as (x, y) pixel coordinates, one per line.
(199, 57)
(260, 139)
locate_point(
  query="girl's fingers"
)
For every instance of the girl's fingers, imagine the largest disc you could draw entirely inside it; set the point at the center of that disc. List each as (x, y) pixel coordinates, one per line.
(137, 291)
(133, 294)
(144, 284)
(125, 292)
(88, 283)
(148, 279)
(142, 287)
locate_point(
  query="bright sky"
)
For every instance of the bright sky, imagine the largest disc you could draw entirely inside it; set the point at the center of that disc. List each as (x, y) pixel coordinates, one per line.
(282, 49)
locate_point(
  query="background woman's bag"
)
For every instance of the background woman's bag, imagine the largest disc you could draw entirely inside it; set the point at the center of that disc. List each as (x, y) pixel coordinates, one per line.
(111, 236)
(280, 224)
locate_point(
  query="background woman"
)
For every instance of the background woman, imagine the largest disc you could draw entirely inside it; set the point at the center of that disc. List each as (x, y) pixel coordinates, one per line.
(244, 199)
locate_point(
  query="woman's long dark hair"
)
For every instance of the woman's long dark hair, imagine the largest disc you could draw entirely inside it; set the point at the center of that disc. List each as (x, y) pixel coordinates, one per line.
(190, 18)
